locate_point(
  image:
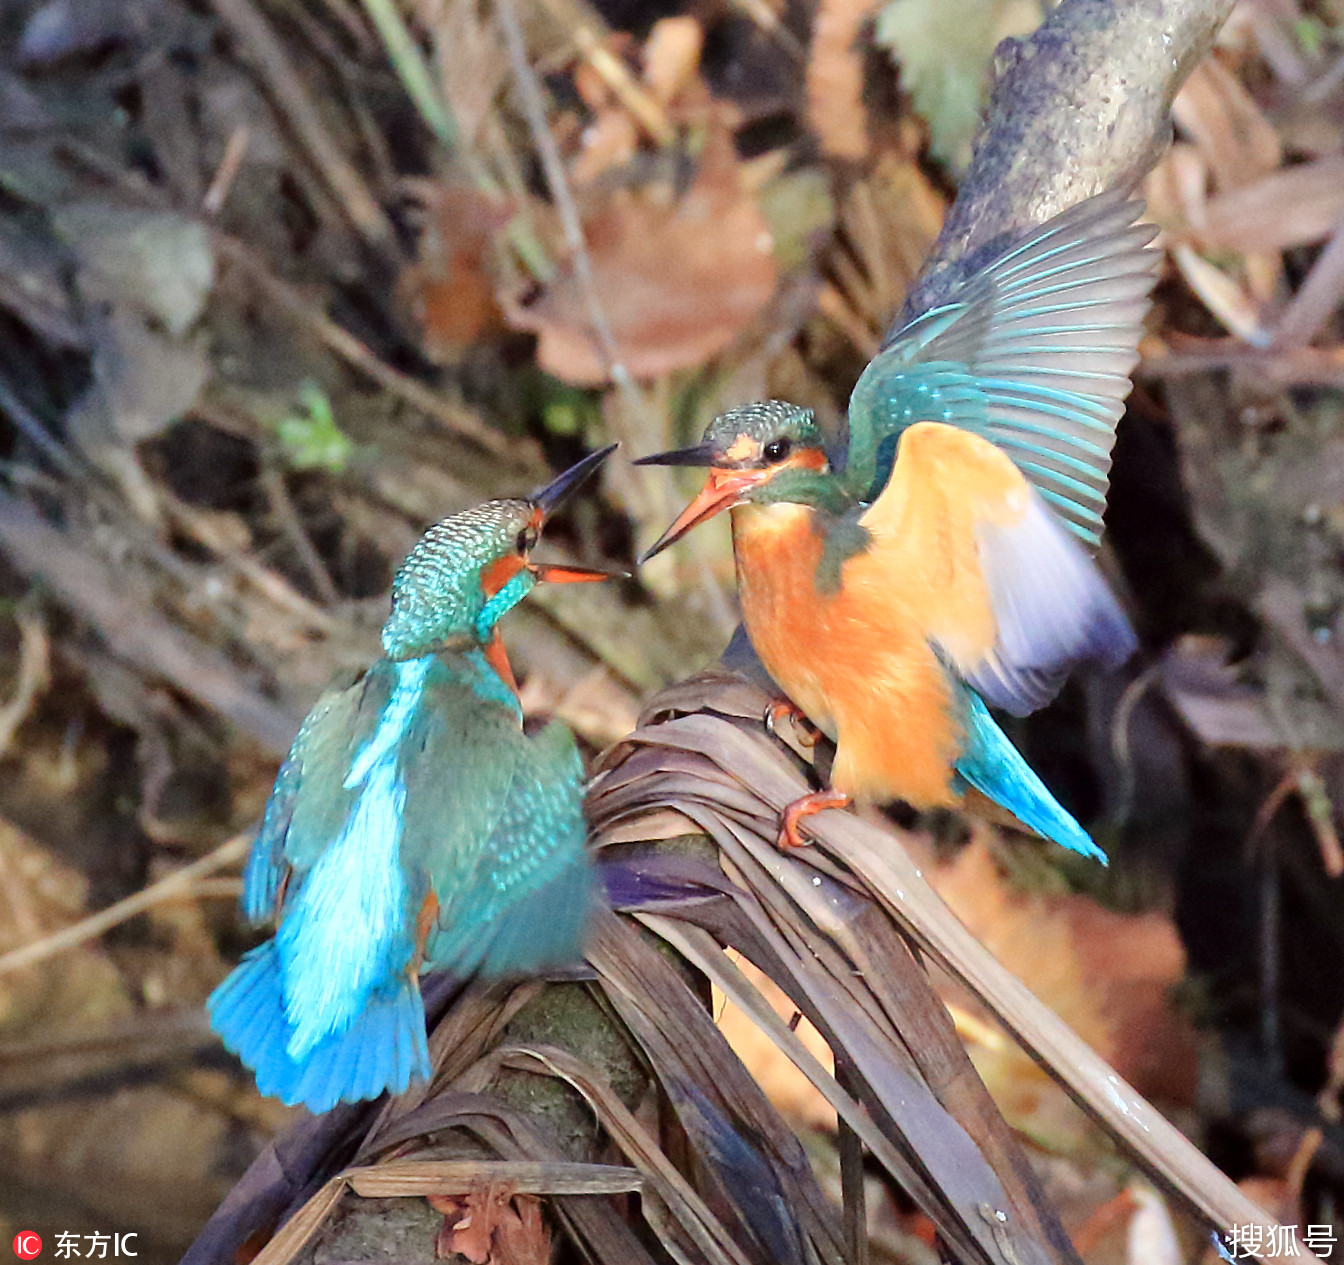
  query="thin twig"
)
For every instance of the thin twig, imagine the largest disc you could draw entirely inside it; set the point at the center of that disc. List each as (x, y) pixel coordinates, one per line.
(1317, 299)
(167, 888)
(32, 677)
(458, 421)
(534, 107)
(273, 484)
(286, 85)
(27, 424)
(235, 150)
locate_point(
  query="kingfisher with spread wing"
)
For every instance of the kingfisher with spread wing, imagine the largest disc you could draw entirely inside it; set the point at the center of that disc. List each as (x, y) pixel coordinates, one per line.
(943, 565)
(414, 825)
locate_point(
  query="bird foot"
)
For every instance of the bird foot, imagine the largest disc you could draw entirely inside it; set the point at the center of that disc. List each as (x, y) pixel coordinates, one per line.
(780, 708)
(424, 924)
(807, 806)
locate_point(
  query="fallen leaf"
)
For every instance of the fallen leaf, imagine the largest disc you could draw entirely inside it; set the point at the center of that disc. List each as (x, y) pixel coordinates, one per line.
(158, 261)
(679, 278)
(449, 288)
(1294, 206)
(672, 57)
(835, 78)
(1227, 126)
(1152, 1233)
(492, 1225)
(143, 382)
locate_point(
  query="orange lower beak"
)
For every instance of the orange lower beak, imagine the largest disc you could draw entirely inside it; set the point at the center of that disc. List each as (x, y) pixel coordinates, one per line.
(723, 489)
(556, 573)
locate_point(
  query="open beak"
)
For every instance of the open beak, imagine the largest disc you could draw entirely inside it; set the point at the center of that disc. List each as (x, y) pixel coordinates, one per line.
(563, 573)
(723, 489)
(699, 455)
(558, 490)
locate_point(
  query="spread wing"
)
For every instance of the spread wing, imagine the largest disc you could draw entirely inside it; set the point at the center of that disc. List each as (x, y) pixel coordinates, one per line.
(1033, 353)
(1009, 597)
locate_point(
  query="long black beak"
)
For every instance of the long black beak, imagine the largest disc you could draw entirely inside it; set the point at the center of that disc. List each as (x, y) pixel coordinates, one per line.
(558, 490)
(700, 455)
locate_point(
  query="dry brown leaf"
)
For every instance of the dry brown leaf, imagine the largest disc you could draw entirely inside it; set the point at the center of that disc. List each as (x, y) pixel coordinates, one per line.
(609, 141)
(1107, 975)
(672, 57)
(1227, 126)
(1152, 1238)
(448, 288)
(835, 78)
(492, 1226)
(470, 61)
(678, 279)
(1291, 207)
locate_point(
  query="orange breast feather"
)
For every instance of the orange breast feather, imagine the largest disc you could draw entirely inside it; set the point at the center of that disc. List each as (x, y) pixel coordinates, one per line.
(857, 662)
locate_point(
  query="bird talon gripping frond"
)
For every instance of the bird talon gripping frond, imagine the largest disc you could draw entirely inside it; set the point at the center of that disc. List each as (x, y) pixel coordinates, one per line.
(413, 825)
(944, 562)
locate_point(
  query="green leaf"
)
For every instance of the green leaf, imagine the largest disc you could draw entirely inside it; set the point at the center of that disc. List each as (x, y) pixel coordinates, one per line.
(311, 440)
(944, 49)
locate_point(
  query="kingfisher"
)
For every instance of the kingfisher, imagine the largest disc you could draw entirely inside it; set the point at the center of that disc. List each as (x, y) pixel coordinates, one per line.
(942, 564)
(413, 825)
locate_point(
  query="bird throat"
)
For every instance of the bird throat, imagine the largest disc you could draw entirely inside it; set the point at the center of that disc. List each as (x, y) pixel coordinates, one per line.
(778, 551)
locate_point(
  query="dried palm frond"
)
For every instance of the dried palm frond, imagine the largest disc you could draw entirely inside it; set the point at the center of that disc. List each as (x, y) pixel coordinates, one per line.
(685, 812)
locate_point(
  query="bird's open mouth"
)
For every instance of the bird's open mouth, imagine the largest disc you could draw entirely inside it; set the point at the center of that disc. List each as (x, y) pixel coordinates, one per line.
(723, 489)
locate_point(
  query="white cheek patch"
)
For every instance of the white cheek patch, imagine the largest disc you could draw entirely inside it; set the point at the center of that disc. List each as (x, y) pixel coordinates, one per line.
(743, 448)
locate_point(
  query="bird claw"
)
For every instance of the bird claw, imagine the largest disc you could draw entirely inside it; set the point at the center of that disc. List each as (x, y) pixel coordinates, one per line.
(806, 806)
(777, 709)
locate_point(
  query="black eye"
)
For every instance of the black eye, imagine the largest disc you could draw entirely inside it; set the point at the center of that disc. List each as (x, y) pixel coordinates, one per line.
(527, 539)
(777, 449)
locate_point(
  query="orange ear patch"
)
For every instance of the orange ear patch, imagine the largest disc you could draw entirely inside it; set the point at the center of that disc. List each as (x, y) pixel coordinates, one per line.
(499, 573)
(809, 459)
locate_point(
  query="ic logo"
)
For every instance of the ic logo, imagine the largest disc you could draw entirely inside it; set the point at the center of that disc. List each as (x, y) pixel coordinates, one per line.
(27, 1245)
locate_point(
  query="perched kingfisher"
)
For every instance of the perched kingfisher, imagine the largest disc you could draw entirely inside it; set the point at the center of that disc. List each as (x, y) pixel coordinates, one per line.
(413, 825)
(943, 563)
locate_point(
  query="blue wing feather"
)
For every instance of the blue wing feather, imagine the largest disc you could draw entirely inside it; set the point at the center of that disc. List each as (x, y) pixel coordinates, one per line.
(266, 864)
(423, 778)
(526, 904)
(383, 1049)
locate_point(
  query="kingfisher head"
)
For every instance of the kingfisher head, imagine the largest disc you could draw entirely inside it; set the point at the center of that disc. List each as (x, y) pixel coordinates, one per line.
(471, 568)
(761, 453)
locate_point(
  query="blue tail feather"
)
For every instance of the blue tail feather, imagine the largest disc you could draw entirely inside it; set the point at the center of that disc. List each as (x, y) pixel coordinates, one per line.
(995, 768)
(384, 1047)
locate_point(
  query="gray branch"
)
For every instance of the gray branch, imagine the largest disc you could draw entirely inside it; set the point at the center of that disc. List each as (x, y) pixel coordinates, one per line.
(1080, 106)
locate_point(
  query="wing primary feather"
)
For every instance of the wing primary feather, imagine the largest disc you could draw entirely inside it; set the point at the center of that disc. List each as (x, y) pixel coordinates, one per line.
(1039, 344)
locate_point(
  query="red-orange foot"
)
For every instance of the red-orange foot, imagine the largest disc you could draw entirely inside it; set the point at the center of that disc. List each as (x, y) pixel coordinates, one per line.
(781, 708)
(424, 924)
(808, 806)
